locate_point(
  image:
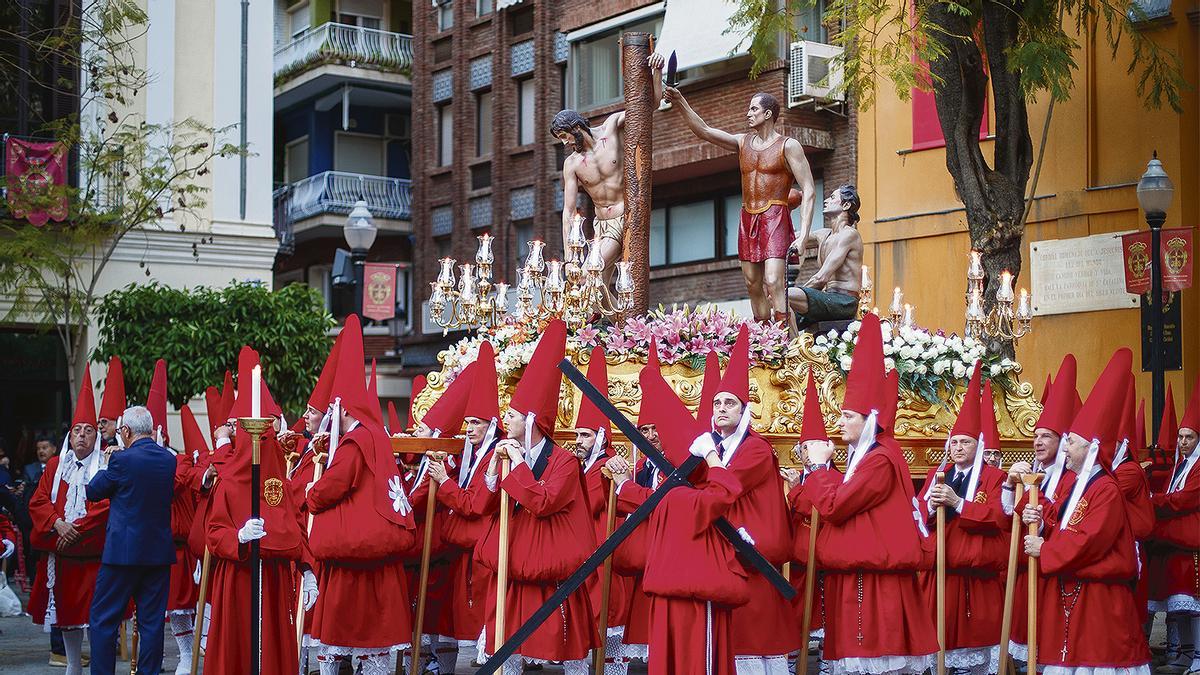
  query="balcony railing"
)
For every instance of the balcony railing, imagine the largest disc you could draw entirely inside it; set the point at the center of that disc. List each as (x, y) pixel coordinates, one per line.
(336, 192)
(343, 44)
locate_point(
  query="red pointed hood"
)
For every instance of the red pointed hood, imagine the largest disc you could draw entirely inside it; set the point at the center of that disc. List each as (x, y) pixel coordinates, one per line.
(243, 404)
(418, 386)
(447, 413)
(1168, 430)
(736, 380)
(156, 400)
(1126, 428)
(967, 423)
(813, 423)
(319, 399)
(661, 407)
(483, 397)
(85, 403)
(589, 416)
(193, 436)
(538, 391)
(212, 408)
(1138, 442)
(113, 404)
(645, 412)
(1045, 390)
(1059, 409)
(394, 426)
(712, 380)
(1191, 414)
(891, 389)
(864, 382)
(1101, 413)
(987, 419)
(348, 383)
(228, 396)
(373, 392)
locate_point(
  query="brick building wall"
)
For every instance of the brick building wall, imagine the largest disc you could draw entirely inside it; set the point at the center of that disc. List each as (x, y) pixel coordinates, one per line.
(685, 167)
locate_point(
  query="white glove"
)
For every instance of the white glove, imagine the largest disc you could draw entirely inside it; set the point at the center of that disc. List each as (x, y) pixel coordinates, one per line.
(308, 590)
(9, 547)
(703, 445)
(253, 529)
(745, 535)
(196, 573)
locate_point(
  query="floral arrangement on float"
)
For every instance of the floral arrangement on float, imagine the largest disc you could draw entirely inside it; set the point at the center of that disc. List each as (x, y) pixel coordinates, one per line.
(928, 363)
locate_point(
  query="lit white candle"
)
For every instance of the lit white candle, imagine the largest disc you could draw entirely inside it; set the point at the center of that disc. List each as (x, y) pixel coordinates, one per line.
(909, 316)
(484, 255)
(897, 301)
(1005, 292)
(975, 269)
(1023, 309)
(256, 392)
(866, 277)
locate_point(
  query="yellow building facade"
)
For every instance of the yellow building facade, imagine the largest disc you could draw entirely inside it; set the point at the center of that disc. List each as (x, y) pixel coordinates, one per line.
(914, 228)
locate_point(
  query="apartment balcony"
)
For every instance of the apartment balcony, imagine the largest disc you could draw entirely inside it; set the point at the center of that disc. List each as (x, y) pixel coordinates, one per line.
(317, 206)
(333, 54)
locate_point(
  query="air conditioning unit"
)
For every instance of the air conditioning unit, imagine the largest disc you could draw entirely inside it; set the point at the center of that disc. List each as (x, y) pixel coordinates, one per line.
(815, 74)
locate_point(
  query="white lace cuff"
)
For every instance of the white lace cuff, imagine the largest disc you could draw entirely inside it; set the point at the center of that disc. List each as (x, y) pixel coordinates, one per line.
(491, 481)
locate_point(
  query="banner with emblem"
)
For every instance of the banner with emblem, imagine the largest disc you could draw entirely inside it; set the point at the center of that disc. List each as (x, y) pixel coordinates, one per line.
(32, 171)
(1176, 259)
(379, 291)
(1135, 250)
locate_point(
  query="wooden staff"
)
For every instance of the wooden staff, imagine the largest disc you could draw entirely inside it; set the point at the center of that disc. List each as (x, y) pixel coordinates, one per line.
(940, 478)
(502, 557)
(319, 455)
(198, 627)
(610, 523)
(422, 590)
(1010, 580)
(786, 568)
(133, 646)
(810, 571)
(1031, 484)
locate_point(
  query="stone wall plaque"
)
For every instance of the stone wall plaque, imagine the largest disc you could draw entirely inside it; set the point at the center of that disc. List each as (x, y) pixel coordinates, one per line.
(1082, 274)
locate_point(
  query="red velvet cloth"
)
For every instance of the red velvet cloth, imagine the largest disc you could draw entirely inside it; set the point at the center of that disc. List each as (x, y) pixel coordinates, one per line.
(765, 235)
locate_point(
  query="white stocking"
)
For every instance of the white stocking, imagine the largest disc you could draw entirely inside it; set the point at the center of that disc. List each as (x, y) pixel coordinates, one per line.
(328, 664)
(1195, 666)
(576, 667)
(615, 660)
(376, 664)
(446, 651)
(73, 641)
(513, 665)
(183, 628)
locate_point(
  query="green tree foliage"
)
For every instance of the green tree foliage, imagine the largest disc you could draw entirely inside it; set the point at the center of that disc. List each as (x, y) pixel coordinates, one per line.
(200, 331)
(133, 175)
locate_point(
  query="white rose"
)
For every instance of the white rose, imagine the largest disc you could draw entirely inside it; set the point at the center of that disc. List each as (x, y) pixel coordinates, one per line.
(971, 369)
(854, 326)
(889, 364)
(959, 371)
(888, 349)
(832, 334)
(1006, 362)
(929, 354)
(939, 340)
(940, 367)
(845, 363)
(921, 368)
(847, 336)
(995, 370)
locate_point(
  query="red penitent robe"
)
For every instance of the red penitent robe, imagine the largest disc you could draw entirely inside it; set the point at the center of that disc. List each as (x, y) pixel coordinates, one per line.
(976, 556)
(77, 565)
(229, 646)
(438, 619)
(468, 515)
(800, 505)
(629, 559)
(364, 602)
(302, 474)
(550, 535)
(1085, 612)
(197, 539)
(1140, 510)
(761, 510)
(184, 592)
(1018, 636)
(1177, 540)
(620, 586)
(870, 550)
(694, 579)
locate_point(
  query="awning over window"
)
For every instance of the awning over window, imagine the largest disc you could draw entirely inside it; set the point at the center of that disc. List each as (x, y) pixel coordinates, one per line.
(695, 31)
(501, 4)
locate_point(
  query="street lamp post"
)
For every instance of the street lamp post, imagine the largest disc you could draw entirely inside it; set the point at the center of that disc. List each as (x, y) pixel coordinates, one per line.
(1155, 191)
(360, 232)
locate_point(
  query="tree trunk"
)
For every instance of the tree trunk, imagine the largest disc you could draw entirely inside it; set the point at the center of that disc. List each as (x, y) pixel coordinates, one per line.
(993, 198)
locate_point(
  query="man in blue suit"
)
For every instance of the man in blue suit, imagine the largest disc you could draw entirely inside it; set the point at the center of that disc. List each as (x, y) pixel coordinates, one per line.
(139, 481)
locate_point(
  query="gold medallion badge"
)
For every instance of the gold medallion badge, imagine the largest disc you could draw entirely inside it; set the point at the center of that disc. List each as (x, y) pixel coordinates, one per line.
(273, 491)
(1177, 255)
(980, 497)
(1080, 509)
